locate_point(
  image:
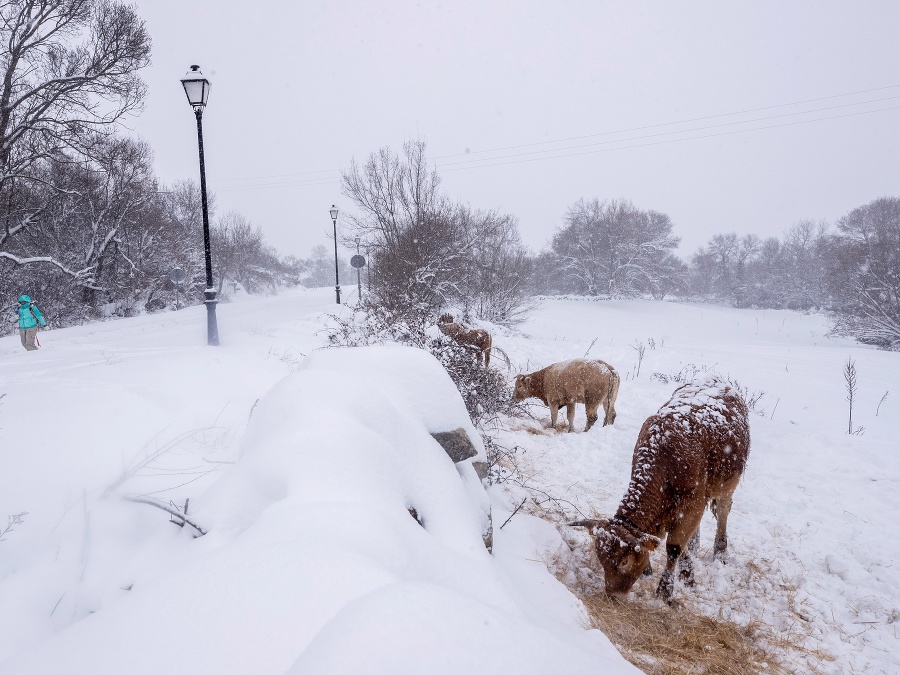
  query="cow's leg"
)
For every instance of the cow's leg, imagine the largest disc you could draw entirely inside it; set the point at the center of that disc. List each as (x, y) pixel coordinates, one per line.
(666, 587)
(723, 508)
(590, 408)
(694, 542)
(686, 568)
(570, 415)
(487, 357)
(554, 410)
(676, 543)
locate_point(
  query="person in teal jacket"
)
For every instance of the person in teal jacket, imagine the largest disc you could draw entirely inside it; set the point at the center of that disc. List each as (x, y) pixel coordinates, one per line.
(29, 317)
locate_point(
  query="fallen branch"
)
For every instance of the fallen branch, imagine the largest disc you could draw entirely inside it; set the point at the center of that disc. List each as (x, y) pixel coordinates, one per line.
(15, 519)
(514, 513)
(168, 509)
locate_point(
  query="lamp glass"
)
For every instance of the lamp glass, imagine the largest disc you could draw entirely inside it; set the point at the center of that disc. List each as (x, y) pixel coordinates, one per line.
(196, 86)
(334, 213)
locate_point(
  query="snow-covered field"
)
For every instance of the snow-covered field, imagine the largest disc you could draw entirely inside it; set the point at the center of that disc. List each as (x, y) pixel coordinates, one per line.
(302, 472)
(813, 535)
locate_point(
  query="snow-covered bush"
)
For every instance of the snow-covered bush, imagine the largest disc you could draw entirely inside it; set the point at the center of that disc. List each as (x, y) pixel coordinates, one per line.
(486, 391)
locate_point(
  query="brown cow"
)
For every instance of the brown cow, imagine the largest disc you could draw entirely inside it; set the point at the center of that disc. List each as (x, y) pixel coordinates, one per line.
(689, 454)
(478, 339)
(591, 382)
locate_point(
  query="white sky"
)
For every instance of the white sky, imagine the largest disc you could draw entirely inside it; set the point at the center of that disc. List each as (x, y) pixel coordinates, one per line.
(300, 88)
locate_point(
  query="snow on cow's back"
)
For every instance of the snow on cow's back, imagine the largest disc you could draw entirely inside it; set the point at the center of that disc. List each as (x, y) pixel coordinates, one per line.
(703, 404)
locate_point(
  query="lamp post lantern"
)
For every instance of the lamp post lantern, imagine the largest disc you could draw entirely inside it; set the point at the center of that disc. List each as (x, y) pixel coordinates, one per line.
(196, 86)
(337, 282)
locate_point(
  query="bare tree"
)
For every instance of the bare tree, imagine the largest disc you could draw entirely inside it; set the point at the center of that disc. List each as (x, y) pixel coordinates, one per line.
(614, 248)
(393, 195)
(69, 74)
(426, 252)
(241, 254)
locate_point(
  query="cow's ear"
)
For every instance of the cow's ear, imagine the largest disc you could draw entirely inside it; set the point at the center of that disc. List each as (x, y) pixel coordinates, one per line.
(527, 380)
(648, 541)
(593, 526)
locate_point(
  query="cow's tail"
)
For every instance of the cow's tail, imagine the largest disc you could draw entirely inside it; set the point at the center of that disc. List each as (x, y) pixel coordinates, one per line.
(611, 395)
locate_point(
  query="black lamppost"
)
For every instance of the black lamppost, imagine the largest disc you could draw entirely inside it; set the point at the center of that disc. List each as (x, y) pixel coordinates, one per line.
(196, 86)
(337, 282)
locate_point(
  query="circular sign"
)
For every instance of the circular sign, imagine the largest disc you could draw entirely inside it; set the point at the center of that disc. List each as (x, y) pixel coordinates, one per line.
(177, 275)
(358, 261)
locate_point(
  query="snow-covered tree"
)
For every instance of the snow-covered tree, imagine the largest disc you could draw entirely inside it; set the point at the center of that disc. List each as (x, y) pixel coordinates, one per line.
(868, 262)
(68, 75)
(613, 248)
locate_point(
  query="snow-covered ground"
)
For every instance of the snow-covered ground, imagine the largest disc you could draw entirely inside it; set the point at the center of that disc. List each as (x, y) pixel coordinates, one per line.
(813, 535)
(302, 475)
(301, 472)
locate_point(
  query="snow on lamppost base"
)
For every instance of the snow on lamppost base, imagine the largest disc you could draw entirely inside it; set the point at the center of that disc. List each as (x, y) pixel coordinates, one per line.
(212, 327)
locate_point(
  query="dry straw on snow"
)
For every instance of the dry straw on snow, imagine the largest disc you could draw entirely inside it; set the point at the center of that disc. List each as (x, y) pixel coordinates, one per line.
(677, 640)
(668, 641)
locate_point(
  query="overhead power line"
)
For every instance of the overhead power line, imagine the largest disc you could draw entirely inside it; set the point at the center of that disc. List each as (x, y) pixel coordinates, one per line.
(687, 131)
(671, 140)
(313, 178)
(685, 121)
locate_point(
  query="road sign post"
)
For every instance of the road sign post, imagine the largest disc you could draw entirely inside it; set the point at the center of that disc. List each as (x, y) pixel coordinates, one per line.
(358, 262)
(176, 276)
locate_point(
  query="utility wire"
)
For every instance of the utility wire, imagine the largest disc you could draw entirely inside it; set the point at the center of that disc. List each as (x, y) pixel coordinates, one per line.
(240, 188)
(493, 161)
(666, 124)
(684, 131)
(279, 175)
(672, 140)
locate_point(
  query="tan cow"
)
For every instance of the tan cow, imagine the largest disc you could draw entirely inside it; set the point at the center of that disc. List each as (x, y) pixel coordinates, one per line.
(477, 339)
(587, 381)
(689, 454)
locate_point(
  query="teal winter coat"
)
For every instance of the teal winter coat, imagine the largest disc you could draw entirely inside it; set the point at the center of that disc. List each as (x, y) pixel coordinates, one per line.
(29, 314)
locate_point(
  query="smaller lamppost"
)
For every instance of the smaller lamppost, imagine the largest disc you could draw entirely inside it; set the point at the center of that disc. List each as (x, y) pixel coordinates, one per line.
(196, 86)
(337, 282)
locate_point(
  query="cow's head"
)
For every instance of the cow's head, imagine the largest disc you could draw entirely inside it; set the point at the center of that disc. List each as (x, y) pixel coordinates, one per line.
(522, 390)
(622, 550)
(446, 318)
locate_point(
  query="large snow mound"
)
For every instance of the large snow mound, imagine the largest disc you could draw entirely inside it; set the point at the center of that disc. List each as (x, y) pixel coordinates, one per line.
(312, 561)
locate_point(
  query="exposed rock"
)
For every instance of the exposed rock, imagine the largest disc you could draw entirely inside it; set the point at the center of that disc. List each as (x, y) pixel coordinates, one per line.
(481, 468)
(456, 444)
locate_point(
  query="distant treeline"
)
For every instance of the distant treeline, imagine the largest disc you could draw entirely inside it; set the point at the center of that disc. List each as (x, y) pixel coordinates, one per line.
(429, 253)
(851, 270)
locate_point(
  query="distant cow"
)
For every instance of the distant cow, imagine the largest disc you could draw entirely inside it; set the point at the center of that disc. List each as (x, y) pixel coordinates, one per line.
(689, 454)
(591, 382)
(477, 339)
